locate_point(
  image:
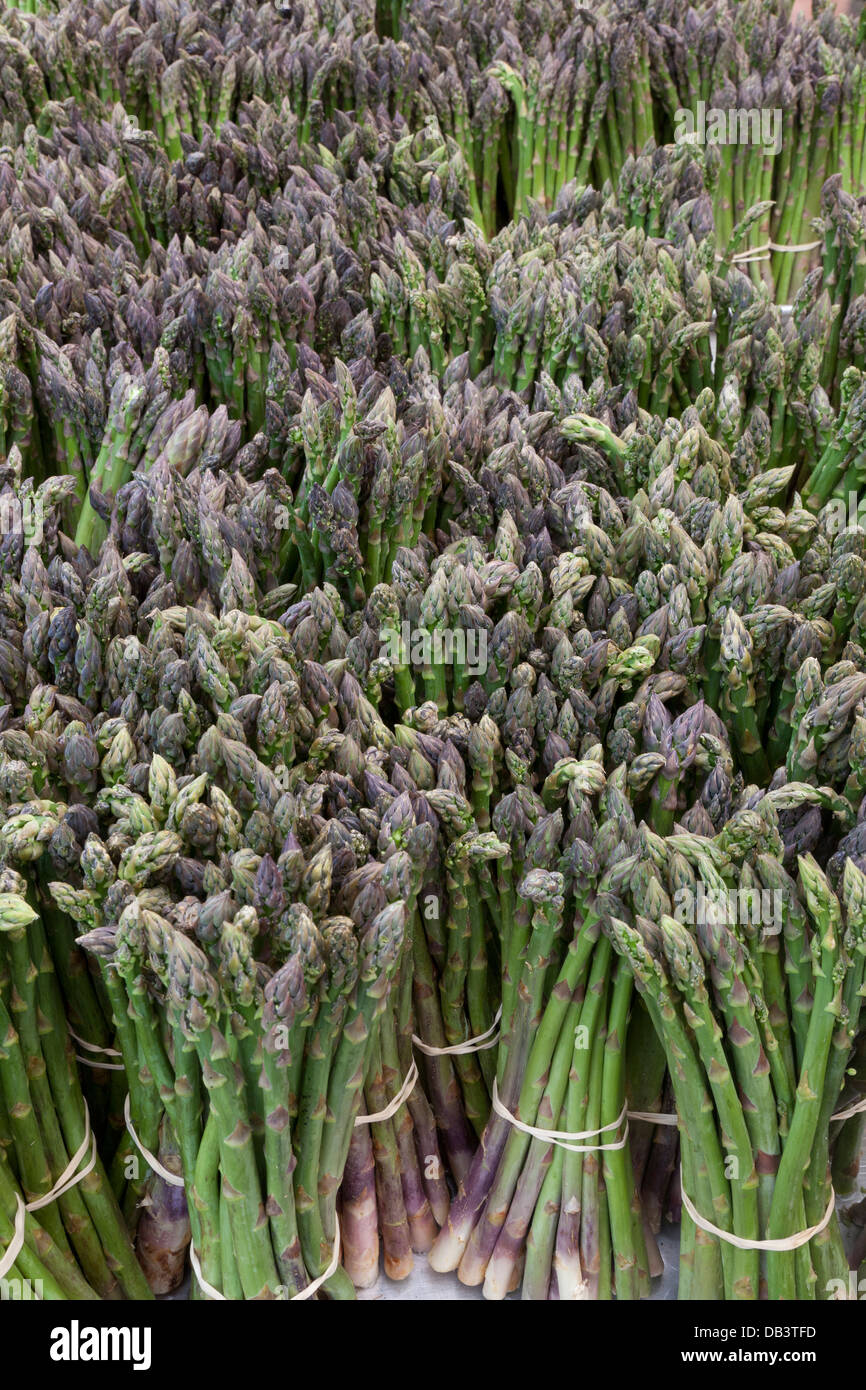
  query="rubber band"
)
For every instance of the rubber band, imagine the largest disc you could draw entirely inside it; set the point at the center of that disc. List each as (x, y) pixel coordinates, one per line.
(794, 250)
(68, 1179)
(762, 252)
(203, 1284)
(559, 1136)
(17, 1242)
(92, 1047)
(402, 1095)
(153, 1162)
(71, 1176)
(323, 1278)
(658, 1119)
(476, 1044)
(856, 1109)
(65, 1184)
(780, 1244)
(99, 1066)
(653, 1117)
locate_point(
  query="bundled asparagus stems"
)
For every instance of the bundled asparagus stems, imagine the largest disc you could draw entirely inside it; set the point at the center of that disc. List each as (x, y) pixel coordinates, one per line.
(75, 1242)
(721, 1011)
(432, 647)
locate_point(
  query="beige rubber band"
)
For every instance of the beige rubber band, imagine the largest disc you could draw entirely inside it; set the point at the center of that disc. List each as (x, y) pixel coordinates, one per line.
(753, 253)
(856, 1109)
(780, 1244)
(402, 1095)
(477, 1044)
(17, 1242)
(70, 1177)
(795, 250)
(153, 1162)
(739, 256)
(200, 1279)
(99, 1066)
(323, 1278)
(93, 1047)
(560, 1136)
(653, 1117)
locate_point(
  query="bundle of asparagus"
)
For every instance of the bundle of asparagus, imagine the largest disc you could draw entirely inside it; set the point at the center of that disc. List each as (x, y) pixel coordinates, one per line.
(74, 1241)
(758, 1167)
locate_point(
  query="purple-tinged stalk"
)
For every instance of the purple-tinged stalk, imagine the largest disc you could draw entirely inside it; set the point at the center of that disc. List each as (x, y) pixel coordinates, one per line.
(545, 892)
(359, 1214)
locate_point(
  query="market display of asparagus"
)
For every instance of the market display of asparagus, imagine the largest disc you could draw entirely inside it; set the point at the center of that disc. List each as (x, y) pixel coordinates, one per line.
(535, 96)
(432, 649)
